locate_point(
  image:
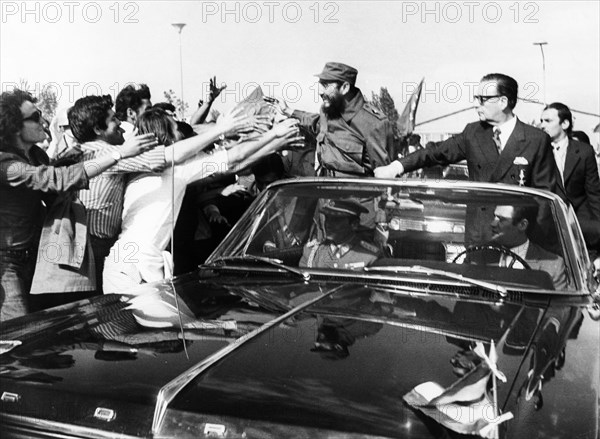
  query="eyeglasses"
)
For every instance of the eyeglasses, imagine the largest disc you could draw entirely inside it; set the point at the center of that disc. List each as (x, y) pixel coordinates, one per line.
(34, 117)
(483, 99)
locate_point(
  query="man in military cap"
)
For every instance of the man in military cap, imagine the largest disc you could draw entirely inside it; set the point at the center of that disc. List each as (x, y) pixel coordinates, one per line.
(342, 247)
(353, 137)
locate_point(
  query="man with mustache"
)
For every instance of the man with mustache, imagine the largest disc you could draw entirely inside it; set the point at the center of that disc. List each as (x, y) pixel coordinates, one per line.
(353, 137)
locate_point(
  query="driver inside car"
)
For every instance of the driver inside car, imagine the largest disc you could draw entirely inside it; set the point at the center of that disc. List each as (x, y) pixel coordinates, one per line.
(342, 247)
(511, 228)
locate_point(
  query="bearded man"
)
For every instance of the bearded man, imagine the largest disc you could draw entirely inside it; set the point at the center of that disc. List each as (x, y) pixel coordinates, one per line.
(353, 136)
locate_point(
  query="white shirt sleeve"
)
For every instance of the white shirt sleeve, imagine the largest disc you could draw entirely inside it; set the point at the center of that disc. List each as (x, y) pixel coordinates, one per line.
(202, 166)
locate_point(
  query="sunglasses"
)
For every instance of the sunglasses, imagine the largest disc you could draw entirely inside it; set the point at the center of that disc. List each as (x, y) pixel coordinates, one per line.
(483, 99)
(34, 117)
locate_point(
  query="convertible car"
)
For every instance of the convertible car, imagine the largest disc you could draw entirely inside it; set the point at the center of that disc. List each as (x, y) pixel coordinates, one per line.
(425, 313)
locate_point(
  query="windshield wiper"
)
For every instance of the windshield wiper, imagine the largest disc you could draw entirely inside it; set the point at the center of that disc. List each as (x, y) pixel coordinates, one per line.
(503, 292)
(270, 261)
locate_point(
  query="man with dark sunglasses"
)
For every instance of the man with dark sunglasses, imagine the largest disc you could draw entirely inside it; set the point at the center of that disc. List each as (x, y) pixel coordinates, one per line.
(498, 148)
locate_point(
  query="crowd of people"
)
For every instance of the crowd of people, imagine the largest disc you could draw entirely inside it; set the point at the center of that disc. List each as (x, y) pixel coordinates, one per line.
(96, 210)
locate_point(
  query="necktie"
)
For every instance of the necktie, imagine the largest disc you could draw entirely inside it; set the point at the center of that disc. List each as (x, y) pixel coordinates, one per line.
(497, 140)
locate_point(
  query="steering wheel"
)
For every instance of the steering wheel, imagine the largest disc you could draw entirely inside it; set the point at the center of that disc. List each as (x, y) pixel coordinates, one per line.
(498, 248)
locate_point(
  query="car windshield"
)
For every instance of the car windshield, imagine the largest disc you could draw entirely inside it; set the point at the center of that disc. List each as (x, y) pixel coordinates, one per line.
(505, 236)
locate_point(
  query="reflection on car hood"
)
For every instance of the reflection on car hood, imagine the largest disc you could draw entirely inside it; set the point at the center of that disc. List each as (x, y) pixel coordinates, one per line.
(341, 365)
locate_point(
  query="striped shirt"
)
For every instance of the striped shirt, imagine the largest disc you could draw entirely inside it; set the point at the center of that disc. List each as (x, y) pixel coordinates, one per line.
(104, 198)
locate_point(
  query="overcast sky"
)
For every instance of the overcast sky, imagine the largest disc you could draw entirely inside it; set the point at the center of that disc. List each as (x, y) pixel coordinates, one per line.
(81, 47)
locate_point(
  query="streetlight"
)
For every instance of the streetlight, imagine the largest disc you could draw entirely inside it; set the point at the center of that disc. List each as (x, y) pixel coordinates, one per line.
(542, 44)
(179, 27)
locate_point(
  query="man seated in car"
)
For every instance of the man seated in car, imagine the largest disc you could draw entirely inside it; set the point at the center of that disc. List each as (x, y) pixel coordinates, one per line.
(342, 247)
(511, 228)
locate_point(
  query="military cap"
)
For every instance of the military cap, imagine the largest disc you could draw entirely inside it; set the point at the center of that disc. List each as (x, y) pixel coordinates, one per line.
(345, 206)
(335, 71)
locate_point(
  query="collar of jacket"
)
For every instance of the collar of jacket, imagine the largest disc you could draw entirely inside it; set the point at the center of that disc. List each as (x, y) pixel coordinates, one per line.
(353, 106)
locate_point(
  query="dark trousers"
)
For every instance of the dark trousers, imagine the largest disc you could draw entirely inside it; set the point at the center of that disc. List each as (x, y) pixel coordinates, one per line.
(101, 248)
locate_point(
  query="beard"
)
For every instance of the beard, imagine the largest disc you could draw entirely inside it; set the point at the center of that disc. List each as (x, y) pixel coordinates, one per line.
(336, 107)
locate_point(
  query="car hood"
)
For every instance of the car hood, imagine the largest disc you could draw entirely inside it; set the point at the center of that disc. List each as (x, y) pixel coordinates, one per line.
(383, 346)
(93, 355)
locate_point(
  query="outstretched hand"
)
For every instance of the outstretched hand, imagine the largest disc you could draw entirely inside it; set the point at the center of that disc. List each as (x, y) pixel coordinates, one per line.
(389, 171)
(237, 122)
(138, 144)
(281, 106)
(286, 127)
(232, 189)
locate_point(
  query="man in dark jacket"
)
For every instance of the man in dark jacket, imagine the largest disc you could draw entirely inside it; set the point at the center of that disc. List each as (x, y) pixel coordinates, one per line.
(577, 166)
(498, 148)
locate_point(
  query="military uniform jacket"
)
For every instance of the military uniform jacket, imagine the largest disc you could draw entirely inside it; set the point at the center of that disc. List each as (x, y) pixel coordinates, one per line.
(527, 157)
(353, 255)
(353, 144)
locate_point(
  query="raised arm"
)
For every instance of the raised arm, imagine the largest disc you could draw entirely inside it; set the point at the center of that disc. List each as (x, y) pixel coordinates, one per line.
(204, 106)
(232, 123)
(17, 173)
(241, 156)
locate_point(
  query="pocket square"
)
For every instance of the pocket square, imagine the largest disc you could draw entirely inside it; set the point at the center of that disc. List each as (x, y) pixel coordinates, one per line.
(520, 161)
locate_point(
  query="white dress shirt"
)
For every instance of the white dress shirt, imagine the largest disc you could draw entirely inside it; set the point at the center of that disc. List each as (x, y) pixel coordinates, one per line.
(506, 130)
(560, 154)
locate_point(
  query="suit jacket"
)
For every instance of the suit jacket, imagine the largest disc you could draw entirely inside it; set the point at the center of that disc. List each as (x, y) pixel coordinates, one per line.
(476, 145)
(540, 259)
(581, 180)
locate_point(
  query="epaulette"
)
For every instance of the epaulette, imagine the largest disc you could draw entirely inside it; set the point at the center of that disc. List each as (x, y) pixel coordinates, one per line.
(312, 243)
(372, 248)
(372, 109)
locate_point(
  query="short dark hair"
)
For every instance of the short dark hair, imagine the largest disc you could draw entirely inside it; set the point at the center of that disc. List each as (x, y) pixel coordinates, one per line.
(528, 212)
(414, 140)
(130, 97)
(11, 118)
(144, 91)
(563, 114)
(185, 129)
(506, 86)
(581, 136)
(157, 121)
(165, 106)
(89, 113)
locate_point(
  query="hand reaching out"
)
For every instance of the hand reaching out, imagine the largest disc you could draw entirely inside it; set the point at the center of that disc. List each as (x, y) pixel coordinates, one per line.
(214, 215)
(286, 127)
(237, 122)
(138, 144)
(232, 189)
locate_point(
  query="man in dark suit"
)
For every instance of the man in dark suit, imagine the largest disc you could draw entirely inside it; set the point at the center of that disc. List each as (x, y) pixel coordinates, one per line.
(511, 228)
(577, 166)
(498, 148)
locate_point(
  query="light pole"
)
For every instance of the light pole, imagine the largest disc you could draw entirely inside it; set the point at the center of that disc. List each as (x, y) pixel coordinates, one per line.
(179, 27)
(542, 44)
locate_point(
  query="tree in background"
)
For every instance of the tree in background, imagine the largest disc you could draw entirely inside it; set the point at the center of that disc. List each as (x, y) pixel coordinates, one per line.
(47, 99)
(385, 103)
(180, 106)
(47, 103)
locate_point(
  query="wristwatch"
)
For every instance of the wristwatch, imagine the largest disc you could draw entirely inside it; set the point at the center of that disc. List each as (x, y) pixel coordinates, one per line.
(116, 155)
